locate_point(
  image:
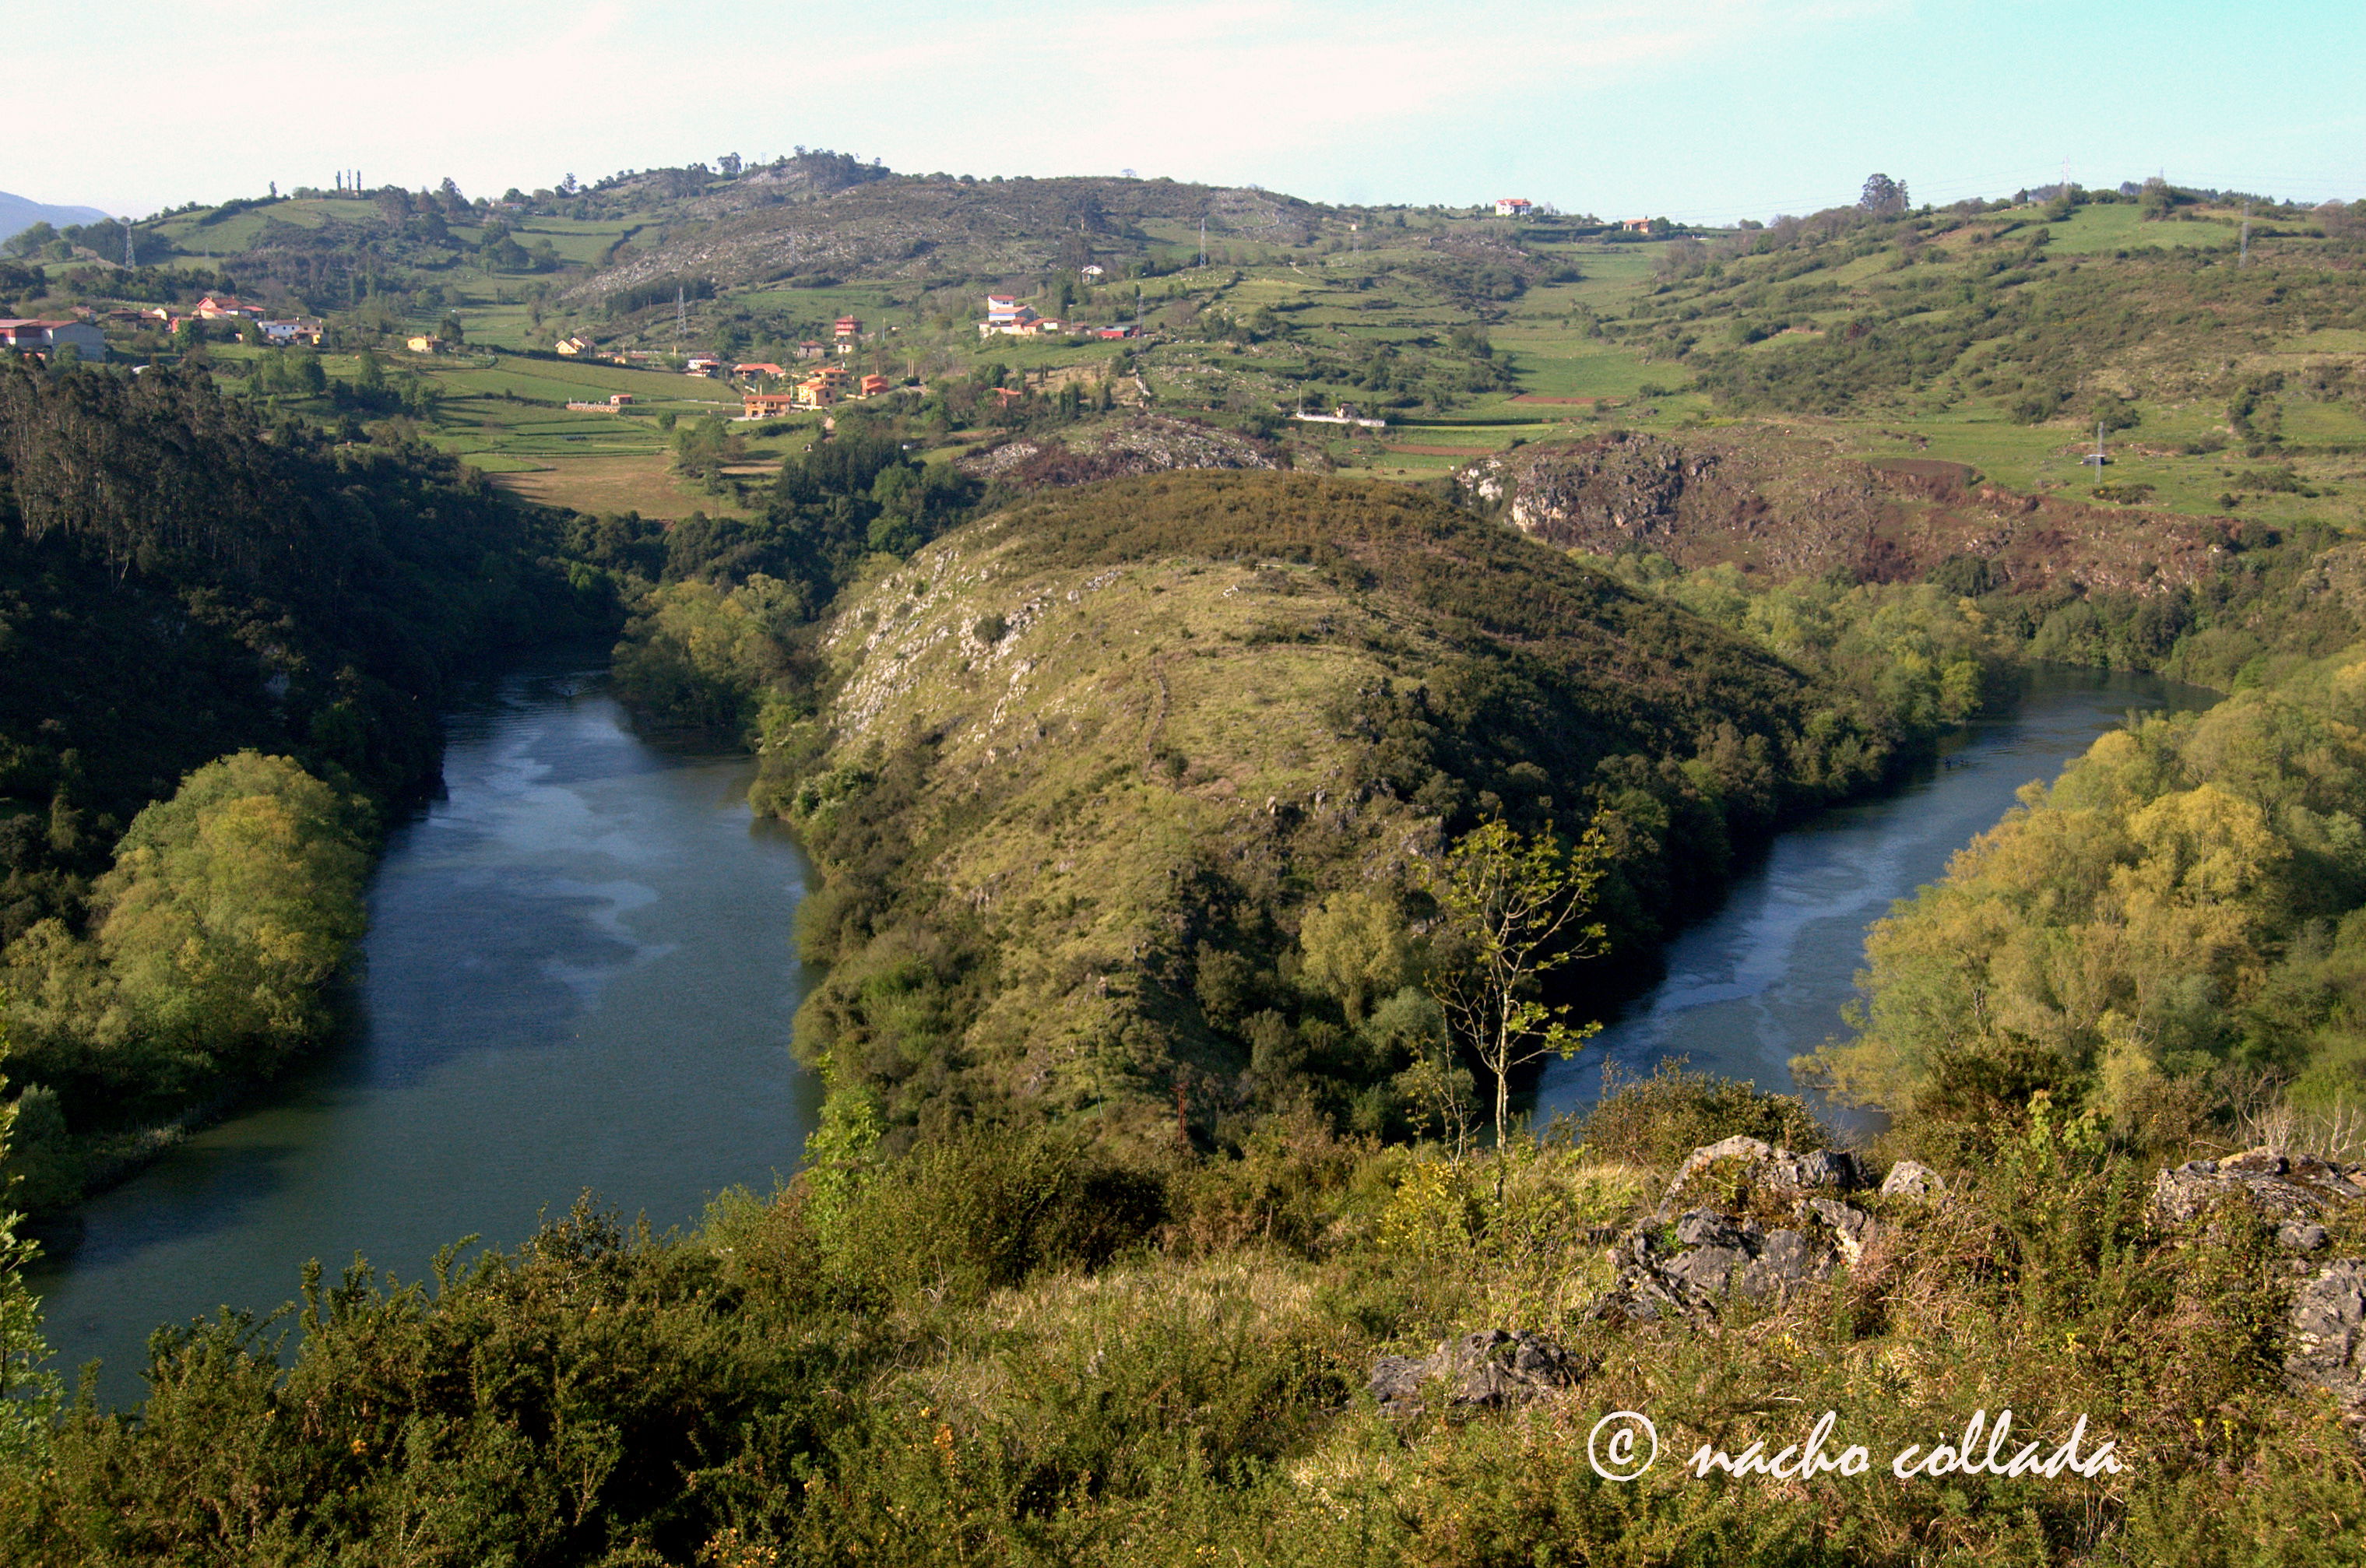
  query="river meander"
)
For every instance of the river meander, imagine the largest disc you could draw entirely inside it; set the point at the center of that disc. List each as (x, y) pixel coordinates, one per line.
(578, 975)
(1765, 977)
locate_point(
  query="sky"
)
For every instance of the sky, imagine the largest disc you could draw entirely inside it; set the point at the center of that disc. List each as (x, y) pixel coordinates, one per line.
(1701, 110)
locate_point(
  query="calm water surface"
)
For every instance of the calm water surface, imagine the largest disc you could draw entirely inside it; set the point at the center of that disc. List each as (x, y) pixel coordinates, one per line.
(1765, 978)
(578, 975)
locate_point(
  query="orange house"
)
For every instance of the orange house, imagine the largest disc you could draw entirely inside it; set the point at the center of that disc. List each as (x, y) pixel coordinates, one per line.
(874, 385)
(767, 405)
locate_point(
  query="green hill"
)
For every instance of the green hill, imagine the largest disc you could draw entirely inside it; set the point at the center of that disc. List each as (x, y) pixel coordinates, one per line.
(1088, 761)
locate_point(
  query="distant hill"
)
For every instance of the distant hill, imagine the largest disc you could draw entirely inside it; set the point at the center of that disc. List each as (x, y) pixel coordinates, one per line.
(19, 213)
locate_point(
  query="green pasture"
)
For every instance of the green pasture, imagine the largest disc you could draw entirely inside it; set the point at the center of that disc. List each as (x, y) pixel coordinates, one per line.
(2121, 227)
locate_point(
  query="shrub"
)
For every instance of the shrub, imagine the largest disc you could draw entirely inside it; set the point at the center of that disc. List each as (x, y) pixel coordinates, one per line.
(1655, 1122)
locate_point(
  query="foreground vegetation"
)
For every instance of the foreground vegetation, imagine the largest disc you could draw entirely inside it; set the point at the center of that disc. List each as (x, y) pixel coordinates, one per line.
(1023, 1346)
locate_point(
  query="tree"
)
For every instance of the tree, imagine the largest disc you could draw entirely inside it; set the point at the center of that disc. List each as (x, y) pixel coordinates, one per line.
(1356, 949)
(1517, 908)
(1883, 197)
(28, 1395)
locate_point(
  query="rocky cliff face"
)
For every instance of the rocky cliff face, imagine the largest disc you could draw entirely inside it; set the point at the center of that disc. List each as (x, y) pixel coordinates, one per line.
(1796, 508)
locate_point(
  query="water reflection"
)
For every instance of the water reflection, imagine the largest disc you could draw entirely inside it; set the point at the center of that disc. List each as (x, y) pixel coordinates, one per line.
(578, 975)
(1766, 976)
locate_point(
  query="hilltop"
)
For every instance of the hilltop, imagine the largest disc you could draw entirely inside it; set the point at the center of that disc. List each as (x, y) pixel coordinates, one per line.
(1089, 760)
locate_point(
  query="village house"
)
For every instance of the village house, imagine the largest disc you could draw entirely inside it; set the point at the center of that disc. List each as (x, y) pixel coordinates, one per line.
(809, 349)
(1636, 225)
(292, 331)
(758, 367)
(1109, 333)
(1513, 207)
(874, 385)
(423, 344)
(1090, 270)
(701, 365)
(571, 346)
(847, 327)
(225, 307)
(26, 336)
(818, 393)
(766, 405)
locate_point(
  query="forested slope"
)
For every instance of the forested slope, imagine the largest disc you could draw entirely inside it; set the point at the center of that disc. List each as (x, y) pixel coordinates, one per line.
(179, 583)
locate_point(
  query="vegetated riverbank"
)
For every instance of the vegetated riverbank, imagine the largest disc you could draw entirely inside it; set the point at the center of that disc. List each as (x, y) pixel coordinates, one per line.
(575, 976)
(226, 641)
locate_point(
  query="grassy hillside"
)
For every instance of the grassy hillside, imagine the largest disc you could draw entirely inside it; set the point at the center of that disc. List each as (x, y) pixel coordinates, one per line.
(1086, 763)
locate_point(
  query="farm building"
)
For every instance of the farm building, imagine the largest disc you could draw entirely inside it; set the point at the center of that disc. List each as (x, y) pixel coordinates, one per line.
(41, 336)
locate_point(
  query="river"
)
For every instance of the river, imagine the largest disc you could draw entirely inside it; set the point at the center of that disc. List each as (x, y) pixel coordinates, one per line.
(578, 975)
(1764, 978)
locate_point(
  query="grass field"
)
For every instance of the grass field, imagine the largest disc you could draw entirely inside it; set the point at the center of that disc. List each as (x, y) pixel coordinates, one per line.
(643, 483)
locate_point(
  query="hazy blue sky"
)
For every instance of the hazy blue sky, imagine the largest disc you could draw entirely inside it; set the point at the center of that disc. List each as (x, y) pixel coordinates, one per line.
(1701, 109)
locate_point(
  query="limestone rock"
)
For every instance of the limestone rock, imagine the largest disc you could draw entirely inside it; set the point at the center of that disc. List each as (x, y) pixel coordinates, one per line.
(2328, 1346)
(1912, 1179)
(1490, 1368)
(1749, 1172)
(2294, 1190)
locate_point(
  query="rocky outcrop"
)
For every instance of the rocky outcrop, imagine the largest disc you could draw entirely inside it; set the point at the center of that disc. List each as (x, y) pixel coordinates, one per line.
(1741, 1218)
(1912, 1179)
(1746, 1173)
(1491, 1368)
(2325, 1343)
(2326, 1347)
(1146, 444)
(1793, 505)
(2294, 1190)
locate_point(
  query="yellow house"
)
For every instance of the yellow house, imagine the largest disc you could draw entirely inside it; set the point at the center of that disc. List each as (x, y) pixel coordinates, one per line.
(421, 345)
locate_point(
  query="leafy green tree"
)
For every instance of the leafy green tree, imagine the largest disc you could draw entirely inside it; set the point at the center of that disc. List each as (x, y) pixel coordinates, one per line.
(1357, 947)
(30, 1395)
(231, 906)
(1517, 910)
(1883, 197)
